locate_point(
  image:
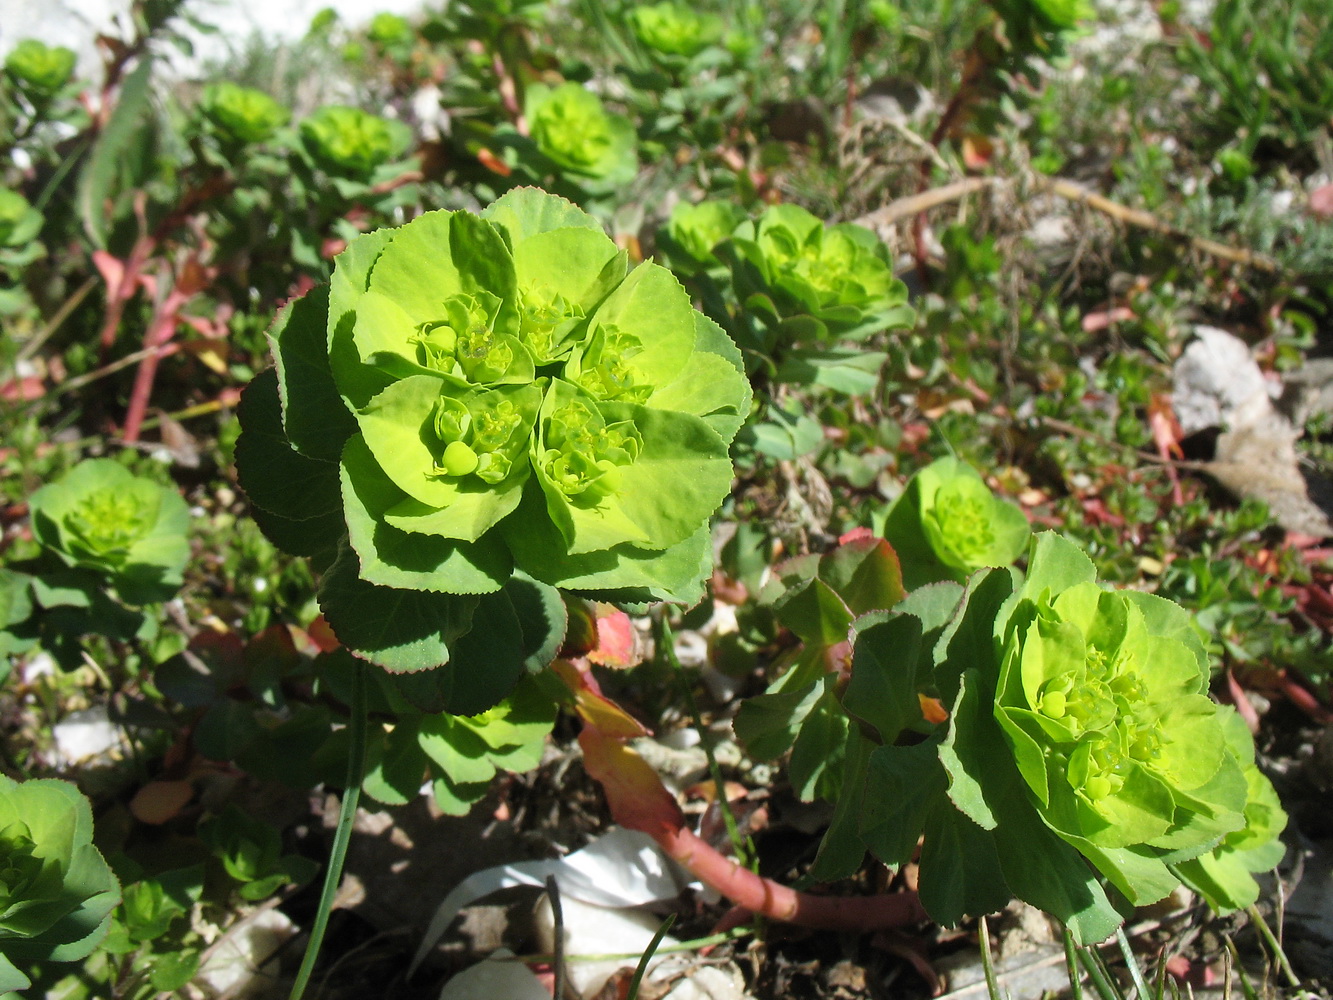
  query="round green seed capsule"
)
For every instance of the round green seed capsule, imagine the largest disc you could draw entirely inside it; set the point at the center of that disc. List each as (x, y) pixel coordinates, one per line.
(1098, 787)
(459, 459)
(1053, 704)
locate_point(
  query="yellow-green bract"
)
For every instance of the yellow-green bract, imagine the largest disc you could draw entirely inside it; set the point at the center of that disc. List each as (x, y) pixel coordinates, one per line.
(56, 890)
(347, 140)
(947, 523)
(519, 392)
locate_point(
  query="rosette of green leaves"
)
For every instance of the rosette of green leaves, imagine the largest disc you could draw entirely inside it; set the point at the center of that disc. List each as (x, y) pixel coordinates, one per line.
(56, 890)
(1080, 761)
(40, 70)
(481, 409)
(349, 142)
(241, 115)
(947, 524)
(572, 128)
(693, 231)
(836, 279)
(126, 529)
(674, 29)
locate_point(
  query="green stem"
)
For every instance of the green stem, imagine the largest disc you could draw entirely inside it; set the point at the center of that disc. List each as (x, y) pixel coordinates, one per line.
(356, 765)
(1279, 953)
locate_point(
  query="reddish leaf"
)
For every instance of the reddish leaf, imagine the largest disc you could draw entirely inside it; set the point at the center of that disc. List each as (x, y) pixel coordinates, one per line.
(595, 709)
(635, 794)
(617, 641)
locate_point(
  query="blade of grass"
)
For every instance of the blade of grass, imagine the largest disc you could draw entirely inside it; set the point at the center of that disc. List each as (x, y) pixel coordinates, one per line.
(647, 957)
(1131, 963)
(356, 766)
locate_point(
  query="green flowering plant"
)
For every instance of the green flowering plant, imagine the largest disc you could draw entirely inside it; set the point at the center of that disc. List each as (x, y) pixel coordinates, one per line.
(572, 129)
(56, 890)
(1065, 751)
(674, 30)
(126, 529)
(251, 853)
(347, 141)
(947, 524)
(482, 409)
(241, 115)
(39, 69)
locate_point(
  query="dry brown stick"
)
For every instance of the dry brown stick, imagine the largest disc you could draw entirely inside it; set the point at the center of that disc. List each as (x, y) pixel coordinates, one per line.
(1144, 220)
(905, 208)
(915, 204)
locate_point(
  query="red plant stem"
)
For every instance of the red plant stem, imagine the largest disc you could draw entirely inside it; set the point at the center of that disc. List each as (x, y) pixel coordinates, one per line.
(118, 296)
(779, 902)
(159, 335)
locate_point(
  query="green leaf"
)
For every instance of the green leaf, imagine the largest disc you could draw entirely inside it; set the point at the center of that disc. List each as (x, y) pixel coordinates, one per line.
(767, 724)
(98, 176)
(489, 659)
(400, 630)
(314, 418)
(357, 383)
(865, 573)
(1055, 564)
(882, 690)
(903, 786)
(397, 776)
(300, 496)
(524, 212)
(815, 766)
(842, 851)
(848, 370)
(960, 868)
(622, 574)
(457, 751)
(712, 384)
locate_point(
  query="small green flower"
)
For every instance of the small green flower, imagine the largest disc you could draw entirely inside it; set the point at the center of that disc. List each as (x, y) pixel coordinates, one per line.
(56, 890)
(242, 114)
(574, 131)
(350, 141)
(102, 517)
(674, 29)
(39, 68)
